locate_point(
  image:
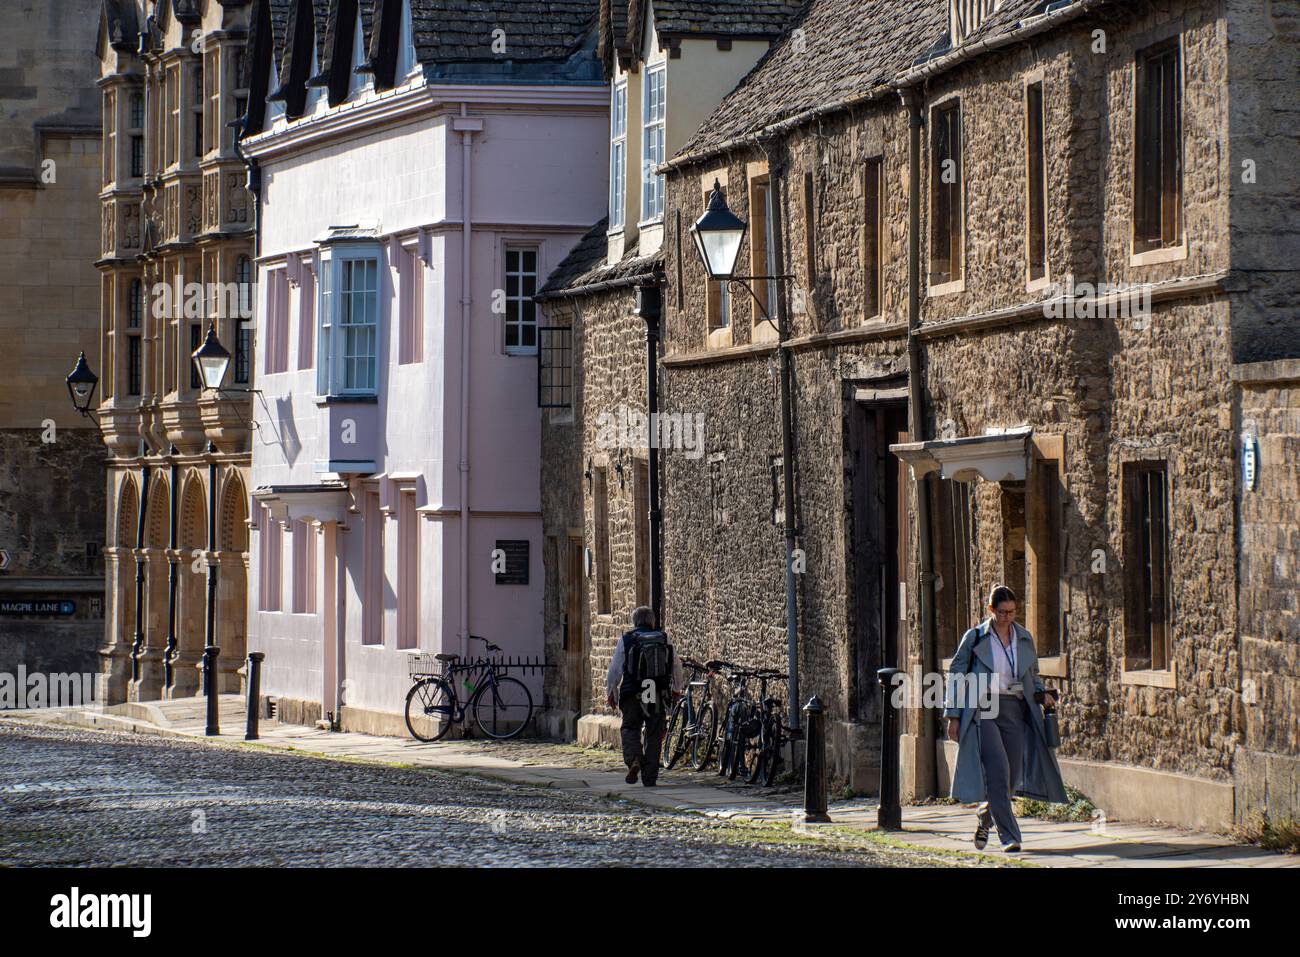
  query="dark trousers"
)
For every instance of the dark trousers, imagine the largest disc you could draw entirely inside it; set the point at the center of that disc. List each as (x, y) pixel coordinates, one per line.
(1002, 748)
(637, 716)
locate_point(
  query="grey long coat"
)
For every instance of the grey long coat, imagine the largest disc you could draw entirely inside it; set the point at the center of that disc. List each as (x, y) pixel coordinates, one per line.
(1041, 777)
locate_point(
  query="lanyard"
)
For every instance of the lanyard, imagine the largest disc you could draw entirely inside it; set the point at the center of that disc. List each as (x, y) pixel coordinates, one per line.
(1007, 650)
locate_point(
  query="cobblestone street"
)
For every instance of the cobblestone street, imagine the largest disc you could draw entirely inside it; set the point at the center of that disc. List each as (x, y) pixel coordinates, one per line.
(70, 797)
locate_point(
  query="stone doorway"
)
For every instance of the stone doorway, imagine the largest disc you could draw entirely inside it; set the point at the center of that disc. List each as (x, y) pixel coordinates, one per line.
(879, 510)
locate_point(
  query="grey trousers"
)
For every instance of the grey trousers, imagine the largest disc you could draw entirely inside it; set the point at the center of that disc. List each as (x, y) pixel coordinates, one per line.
(1002, 749)
(635, 717)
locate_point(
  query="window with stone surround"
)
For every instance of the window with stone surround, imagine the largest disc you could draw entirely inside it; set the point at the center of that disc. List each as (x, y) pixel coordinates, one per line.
(1146, 566)
(872, 233)
(242, 362)
(196, 108)
(110, 136)
(600, 521)
(135, 130)
(946, 200)
(1036, 181)
(172, 116)
(1157, 148)
(762, 248)
(1044, 503)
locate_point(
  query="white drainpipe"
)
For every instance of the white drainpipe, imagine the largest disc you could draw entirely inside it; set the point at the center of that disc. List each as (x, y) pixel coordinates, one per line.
(467, 128)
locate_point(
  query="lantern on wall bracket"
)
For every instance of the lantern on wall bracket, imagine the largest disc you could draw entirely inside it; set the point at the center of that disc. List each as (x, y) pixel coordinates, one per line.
(718, 236)
(81, 386)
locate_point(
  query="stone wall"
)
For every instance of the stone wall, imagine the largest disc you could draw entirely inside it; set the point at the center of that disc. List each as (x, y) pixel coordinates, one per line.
(1267, 769)
(1099, 390)
(55, 543)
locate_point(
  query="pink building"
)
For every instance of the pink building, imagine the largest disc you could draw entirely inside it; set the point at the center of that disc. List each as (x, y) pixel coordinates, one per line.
(419, 166)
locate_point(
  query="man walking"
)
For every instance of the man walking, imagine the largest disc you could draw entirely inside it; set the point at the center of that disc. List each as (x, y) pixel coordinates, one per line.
(644, 676)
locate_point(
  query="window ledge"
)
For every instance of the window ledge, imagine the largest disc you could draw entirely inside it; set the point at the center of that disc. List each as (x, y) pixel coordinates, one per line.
(1148, 678)
(368, 398)
(947, 288)
(649, 223)
(1038, 285)
(1153, 256)
(719, 338)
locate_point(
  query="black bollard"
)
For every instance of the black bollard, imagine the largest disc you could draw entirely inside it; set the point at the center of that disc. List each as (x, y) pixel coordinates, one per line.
(210, 685)
(890, 814)
(814, 782)
(255, 659)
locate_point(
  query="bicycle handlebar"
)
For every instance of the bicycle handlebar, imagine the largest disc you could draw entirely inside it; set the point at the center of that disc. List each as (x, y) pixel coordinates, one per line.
(490, 646)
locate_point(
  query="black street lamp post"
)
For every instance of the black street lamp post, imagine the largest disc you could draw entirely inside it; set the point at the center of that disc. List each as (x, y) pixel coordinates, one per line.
(718, 236)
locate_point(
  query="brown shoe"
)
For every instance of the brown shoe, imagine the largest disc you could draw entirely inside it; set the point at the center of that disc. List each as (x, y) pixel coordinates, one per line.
(633, 771)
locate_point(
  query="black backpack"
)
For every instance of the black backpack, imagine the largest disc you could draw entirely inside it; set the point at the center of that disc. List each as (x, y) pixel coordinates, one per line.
(649, 658)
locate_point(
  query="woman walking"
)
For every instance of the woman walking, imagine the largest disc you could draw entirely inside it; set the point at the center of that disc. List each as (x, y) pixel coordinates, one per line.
(994, 714)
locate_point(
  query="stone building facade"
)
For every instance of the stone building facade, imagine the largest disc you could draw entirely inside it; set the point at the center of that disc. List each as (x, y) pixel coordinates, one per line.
(668, 63)
(51, 531)
(1074, 440)
(176, 253)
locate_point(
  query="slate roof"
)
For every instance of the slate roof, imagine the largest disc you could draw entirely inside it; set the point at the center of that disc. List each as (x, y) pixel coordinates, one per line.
(585, 265)
(325, 46)
(448, 31)
(724, 17)
(842, 49)
(119, 20)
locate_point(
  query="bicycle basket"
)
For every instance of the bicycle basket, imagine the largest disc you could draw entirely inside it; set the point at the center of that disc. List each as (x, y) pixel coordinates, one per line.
(424, 665)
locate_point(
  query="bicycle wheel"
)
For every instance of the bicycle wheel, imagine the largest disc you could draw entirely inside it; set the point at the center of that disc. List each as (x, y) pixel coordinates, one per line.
(674, 745)
(430, 707)
(757, 754)
(705, 739)
(775, 761)
(728, 744)
(502, 708)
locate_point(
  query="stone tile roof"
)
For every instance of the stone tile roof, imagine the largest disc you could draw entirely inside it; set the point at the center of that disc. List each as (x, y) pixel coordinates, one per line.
(585, 265)
(462, 30)
(840, 49)
(724, 17)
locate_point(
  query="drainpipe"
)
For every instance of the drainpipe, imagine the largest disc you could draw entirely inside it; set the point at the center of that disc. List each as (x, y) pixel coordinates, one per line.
(650, 308)
(466, 128)
(926, 772)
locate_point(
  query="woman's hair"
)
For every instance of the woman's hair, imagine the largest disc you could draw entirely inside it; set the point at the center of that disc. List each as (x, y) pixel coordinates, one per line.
(1001, 593)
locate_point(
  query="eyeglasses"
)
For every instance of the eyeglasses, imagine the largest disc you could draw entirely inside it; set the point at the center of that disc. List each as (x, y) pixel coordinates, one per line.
(1004, 612)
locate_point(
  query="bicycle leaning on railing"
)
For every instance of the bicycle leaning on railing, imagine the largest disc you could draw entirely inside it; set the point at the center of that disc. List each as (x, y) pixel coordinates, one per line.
(501, 705)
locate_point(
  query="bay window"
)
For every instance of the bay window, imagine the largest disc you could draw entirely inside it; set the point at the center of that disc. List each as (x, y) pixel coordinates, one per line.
(618, 155)
(652, 138)
(348, 328)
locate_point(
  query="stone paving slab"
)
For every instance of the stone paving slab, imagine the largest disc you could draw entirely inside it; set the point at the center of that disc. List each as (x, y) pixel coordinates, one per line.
(936, 826)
